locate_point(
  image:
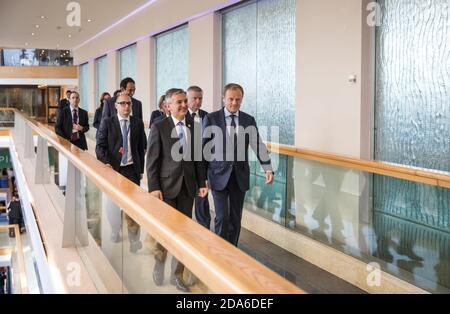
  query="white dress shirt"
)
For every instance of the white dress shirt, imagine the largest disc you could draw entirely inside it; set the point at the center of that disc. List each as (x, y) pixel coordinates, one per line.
(197, 115)
(175, 121)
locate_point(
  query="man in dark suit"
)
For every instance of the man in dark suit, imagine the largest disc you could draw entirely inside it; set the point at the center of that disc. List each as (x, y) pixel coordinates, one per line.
(174, 175)
(63, 103)
(72, 122)
(227, 133)
(120, 144)
(128, 87)
(195, 100)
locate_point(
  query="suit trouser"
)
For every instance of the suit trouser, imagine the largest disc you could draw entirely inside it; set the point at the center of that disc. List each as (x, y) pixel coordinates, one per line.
(202, 214)
(228, 205)
(183, 203)
(113, 212)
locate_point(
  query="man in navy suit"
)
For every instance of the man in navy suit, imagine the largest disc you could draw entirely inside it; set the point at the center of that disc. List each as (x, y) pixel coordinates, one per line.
(161, 113)
(128, 87)
(72, 122)
(120, 144)
(227, 133)
(195, 100)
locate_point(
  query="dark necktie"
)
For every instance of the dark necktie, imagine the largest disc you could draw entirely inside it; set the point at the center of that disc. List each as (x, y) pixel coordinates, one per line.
(233, 131)
(74, 136)
(194, 115)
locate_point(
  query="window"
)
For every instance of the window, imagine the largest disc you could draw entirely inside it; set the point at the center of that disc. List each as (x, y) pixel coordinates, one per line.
(412, 121)
(101, 73)
(172, 50)
(84, 86)
(128, 62)
(259, 54)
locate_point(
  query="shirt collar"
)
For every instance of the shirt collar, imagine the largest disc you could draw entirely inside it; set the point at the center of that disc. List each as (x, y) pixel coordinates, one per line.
(123, 118)
(192, 111)
(73, 108)
(175, 120)
(227, 113)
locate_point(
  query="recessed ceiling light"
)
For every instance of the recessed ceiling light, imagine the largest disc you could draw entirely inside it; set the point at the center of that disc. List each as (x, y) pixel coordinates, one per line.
(57, 45)
(37, 25)
(42, 17)
(70, 36)
(26, 44)
(32, 34)
(89, 20)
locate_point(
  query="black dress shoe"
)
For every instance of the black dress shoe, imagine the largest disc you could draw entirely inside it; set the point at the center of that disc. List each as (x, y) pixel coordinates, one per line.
(158, 273)
(181, 286)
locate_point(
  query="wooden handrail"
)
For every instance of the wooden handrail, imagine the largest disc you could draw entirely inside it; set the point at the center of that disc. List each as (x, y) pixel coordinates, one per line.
(20, 257)
(222, 267)
(415, 174)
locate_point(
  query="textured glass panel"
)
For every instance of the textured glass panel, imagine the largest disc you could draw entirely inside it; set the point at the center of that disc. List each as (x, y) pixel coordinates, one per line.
(172, 50)
(84, 86)
(101, 72)
(413, 106)
(259, 54)
(128, 62)
(275, 98)
(413, 83)
(239, 52)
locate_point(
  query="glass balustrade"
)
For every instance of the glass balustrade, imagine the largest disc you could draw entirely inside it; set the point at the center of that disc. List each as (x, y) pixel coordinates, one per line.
(340, 208)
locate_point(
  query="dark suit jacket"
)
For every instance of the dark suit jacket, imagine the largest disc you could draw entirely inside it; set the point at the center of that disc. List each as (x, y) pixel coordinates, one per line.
(63, 126)
(63, 103)
(156, 116)
(109, 142)
(220, 165)
(163, 172)
(109, 109)
(98, 117)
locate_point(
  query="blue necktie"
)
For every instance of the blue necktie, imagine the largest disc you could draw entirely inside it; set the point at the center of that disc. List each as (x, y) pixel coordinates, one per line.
(124, 141)
(181, 136)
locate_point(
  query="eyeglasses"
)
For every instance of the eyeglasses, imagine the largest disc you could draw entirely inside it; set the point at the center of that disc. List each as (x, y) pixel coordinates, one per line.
(124, 103)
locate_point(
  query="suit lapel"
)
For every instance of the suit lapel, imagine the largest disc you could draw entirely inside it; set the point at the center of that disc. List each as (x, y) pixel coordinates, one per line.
(170, 129)
(116, 125)
(132, 135)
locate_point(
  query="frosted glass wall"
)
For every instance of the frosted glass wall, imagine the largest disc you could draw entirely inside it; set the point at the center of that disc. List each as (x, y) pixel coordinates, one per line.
(101, 73)
(84, 86)
(413, 106)
(128, 62)
(259, 54)
(172, 57)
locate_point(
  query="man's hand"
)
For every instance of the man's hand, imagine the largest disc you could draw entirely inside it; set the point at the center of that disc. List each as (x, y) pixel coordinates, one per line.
(77, 127)
(269, 177)
(108, 165)
(157, 194)
(202, 192)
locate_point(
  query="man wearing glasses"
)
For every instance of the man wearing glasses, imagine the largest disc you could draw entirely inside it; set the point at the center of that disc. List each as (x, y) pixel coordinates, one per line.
(120, 145)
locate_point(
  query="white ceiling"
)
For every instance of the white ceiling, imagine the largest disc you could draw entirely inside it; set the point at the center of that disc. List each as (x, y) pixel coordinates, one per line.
(18, 19)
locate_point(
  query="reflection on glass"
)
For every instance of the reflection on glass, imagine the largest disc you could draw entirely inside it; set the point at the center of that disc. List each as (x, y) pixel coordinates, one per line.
(338, 207)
